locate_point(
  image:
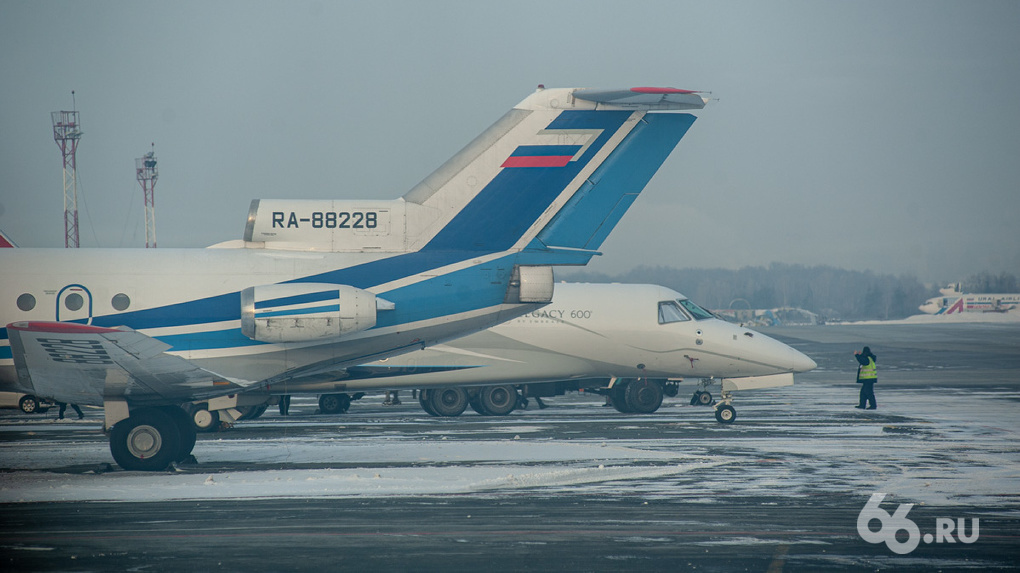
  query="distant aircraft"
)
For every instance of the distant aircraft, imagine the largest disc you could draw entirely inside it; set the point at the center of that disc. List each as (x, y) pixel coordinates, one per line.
(318, 286)
(5, 242)
(632, 342)
(954, 301)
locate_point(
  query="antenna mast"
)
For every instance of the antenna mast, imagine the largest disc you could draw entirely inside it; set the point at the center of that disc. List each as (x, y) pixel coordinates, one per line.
(147, 173)
(66, 133)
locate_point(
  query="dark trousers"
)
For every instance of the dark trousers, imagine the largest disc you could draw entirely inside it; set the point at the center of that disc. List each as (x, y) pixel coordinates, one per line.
(868, 394)
(63, 407)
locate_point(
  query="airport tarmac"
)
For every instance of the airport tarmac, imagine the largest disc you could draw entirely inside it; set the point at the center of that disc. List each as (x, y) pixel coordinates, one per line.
(574, 487)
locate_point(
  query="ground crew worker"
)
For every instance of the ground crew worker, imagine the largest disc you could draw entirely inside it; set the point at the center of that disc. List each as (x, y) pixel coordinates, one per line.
(867, 375)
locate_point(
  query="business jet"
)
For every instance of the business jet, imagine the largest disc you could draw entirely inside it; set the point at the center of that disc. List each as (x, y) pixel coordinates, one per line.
(955, 301)
(631, 342)
(315, 287)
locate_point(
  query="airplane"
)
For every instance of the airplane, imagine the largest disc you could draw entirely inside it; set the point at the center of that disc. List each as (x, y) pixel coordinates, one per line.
(317, 286)
(6, 242)
(633, 342)
(954, 301)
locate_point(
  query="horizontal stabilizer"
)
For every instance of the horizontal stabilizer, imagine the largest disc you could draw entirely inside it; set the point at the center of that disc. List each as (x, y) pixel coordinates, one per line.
(645, 98)
(84, 364)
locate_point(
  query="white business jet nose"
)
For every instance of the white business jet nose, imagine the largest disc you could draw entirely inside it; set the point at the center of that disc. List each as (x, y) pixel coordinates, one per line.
(801, 362)
(784, 357)
(760, 355)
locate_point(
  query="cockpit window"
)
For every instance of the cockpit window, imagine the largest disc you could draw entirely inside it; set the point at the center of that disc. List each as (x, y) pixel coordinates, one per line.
(669, 311)
(696, 311)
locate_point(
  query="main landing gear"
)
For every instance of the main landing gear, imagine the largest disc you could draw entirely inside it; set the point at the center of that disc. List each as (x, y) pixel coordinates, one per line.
(152, 438)
(636, 396)
(337, 403)
(497, 400)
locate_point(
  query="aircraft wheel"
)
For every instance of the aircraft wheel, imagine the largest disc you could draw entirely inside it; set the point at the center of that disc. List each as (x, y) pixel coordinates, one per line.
(448, 402)
(186, 428)
(257, 411)
(205, 420)
(334, 403)
(28, 404)
(671, 389)
(498, 400)
(618, 397)
(725, 414)
(643, 396)
(251, 412)
(424, 401)
(148, 440)
(704, 398)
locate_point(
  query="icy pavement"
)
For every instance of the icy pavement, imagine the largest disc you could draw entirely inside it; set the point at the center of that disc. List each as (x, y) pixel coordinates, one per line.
(943, 448)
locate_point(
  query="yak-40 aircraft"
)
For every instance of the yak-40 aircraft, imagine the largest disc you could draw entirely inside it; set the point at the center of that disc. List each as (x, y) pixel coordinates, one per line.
(318, 286)
(633, 343)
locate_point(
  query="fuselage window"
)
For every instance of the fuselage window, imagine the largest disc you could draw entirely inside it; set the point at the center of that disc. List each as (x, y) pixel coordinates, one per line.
(26, 302)
(120, 301)
(74, 301)
(696, 311)
(669, 312)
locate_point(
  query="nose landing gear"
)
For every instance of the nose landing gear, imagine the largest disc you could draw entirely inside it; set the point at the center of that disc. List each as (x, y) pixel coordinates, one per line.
(724, 411)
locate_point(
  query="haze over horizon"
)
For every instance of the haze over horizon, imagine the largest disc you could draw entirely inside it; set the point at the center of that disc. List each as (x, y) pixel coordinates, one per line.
(867, 136)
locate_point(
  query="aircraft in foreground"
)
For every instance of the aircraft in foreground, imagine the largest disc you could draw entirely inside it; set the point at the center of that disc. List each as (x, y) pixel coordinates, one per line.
(632, 342)
(954, 301)
(315, 287)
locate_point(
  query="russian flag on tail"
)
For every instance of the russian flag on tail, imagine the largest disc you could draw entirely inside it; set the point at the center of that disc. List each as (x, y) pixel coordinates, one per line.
(542, 156)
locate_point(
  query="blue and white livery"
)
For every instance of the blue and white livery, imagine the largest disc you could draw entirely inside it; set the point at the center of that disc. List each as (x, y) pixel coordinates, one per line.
(316, 286)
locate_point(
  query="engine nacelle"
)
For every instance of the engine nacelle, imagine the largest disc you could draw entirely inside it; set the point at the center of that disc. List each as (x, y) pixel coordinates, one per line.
(530, 284)
(303, 312)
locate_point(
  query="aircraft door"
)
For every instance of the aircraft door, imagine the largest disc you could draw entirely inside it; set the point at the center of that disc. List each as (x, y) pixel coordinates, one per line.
(74, 303)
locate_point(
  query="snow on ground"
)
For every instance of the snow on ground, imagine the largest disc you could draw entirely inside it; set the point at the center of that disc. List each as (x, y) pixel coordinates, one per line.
(942, 448)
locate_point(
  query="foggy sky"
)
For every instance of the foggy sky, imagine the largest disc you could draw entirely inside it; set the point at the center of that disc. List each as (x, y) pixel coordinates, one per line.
(879, 136)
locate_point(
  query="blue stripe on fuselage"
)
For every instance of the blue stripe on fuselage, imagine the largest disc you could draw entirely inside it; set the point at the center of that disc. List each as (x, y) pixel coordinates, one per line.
(227, 307)
(434, 297)
(425, 300)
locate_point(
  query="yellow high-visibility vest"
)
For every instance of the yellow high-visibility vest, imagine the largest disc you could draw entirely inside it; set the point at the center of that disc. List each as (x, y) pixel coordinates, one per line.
(869, 372)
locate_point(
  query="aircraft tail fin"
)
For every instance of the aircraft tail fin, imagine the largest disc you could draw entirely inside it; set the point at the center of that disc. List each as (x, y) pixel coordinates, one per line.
(551, 177)
(535, 170)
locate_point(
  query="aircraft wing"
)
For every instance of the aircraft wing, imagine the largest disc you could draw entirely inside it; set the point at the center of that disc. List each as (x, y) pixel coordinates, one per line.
(86, 365)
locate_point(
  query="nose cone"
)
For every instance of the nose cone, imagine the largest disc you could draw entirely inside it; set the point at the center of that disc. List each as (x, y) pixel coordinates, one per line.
(802, 363)
(782, 357)
(755, 354)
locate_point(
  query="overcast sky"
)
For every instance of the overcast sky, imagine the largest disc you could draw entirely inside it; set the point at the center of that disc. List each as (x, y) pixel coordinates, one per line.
(879, 136)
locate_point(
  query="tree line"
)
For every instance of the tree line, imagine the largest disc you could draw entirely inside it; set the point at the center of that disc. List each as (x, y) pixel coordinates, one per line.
(829, 292)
